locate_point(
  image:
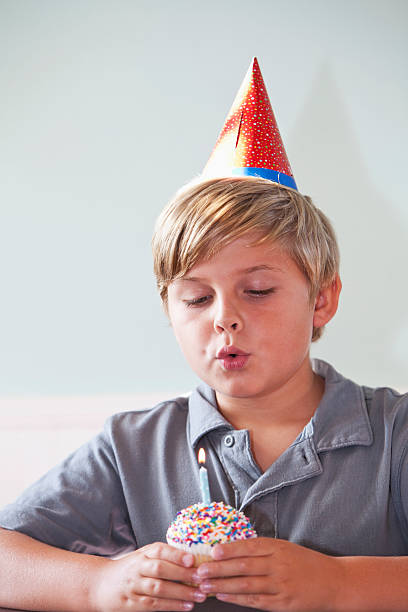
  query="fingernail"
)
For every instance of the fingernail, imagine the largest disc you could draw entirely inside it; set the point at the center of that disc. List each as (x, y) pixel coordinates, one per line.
(199, 596)
(196, 577)
(203, 571)
(188, 605)
(206, 586)
(222, 596)
(217, 552)
(188, 560)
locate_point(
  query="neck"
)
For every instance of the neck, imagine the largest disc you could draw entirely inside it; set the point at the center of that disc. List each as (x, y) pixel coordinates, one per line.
(295, 402)
(275, 420)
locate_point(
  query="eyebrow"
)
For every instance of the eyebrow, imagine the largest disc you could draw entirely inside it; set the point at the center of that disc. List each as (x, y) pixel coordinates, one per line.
(262, 267)
(244, 271)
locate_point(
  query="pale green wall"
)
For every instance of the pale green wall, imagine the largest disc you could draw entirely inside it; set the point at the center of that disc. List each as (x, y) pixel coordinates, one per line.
(107, 107)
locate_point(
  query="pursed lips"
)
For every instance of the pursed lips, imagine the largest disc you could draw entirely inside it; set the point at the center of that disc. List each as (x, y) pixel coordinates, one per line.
(230, 351)
(232, 358)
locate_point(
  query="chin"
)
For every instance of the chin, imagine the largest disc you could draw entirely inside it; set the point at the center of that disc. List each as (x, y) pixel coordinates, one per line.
(238, 390)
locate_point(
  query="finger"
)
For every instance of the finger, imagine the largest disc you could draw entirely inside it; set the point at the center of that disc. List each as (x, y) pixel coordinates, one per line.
(159, 550)
(165, 589)
(243, 566)
(254, 547)
(145, 602)
(166, 570)
(239, 585)
(252, 600)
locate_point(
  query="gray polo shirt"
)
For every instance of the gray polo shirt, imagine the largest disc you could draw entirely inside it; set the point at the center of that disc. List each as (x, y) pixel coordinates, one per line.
(340, 488)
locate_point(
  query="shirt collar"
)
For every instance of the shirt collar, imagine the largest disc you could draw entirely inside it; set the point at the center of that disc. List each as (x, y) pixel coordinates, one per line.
(203, 413)
(341, 419)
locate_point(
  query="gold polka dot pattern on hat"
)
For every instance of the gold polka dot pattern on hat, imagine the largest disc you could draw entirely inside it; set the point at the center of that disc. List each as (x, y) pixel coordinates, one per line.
(250, 137)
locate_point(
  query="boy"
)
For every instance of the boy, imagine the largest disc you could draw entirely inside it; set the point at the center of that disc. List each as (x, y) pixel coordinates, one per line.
(248, 273)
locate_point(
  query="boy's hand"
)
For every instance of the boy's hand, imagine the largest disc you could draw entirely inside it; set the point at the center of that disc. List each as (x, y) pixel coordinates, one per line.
(270, 574)
(147, 579)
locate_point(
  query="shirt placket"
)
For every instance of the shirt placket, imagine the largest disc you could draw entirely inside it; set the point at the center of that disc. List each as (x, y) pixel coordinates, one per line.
(256, 493)
(235, 454)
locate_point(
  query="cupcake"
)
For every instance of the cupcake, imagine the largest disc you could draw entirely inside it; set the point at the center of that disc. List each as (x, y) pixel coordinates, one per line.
(198, 528)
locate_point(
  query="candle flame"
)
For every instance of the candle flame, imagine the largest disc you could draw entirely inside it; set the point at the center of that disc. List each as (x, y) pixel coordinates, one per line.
(201, 456)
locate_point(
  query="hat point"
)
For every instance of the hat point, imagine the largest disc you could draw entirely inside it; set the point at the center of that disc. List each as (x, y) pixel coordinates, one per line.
(250, 143)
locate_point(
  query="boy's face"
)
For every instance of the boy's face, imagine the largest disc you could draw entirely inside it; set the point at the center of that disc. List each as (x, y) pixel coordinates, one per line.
(243, 319)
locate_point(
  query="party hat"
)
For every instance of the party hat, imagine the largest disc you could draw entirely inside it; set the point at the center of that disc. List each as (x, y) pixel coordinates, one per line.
(250, 143)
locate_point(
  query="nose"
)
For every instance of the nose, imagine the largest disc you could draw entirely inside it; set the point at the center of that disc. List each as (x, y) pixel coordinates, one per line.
(226, 320)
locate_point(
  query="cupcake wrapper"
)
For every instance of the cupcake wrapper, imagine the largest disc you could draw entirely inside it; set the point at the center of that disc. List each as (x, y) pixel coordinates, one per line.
(200, 558)
(198, 550)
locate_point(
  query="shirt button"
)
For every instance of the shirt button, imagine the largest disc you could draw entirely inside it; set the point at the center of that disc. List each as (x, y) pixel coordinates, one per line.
(229, 440)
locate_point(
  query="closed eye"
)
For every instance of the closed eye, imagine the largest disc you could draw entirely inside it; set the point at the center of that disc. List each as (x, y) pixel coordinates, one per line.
(197, 301)
(259, 292)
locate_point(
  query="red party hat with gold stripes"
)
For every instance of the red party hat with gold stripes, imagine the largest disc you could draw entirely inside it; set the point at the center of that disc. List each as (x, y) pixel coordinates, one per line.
(250, 143)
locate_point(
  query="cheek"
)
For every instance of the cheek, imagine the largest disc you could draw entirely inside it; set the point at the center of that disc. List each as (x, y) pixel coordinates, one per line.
(292, 322)
(176, 323)
(189, 330)
(180, 331)
(302, 327)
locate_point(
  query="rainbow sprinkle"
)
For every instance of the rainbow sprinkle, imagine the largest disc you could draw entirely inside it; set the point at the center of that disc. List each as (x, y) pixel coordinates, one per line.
(209, 524)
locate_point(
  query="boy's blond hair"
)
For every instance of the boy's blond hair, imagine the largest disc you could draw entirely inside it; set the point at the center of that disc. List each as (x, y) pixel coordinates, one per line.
(205, 216)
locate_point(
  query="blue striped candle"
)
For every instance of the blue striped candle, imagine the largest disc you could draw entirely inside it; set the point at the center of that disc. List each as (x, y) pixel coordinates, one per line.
(205, 487)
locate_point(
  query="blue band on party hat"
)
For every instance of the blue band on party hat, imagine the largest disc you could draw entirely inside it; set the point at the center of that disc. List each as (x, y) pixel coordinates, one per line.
(266, 173)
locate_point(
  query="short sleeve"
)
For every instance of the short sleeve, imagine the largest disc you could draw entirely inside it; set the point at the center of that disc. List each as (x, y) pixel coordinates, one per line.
(399, 481)
(78, 505)
(401, 490)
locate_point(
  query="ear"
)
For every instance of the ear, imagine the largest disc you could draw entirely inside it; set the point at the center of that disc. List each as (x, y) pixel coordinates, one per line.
(326, 303)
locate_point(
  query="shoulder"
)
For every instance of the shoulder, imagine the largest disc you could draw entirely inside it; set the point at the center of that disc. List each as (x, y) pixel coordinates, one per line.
(388, 404)
(167, 416)
(361, 413)
(385, 400)
(388, 411)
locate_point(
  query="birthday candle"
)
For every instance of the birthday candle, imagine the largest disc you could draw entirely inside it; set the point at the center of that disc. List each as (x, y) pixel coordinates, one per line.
(205, 488)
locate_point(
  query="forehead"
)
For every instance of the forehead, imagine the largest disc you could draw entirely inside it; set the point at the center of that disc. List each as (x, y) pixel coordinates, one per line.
(244, 256)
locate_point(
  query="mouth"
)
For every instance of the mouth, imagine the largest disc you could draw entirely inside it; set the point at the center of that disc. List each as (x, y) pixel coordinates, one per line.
(232, 358)
(230, 351)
